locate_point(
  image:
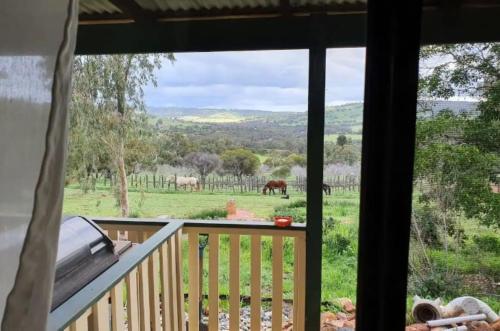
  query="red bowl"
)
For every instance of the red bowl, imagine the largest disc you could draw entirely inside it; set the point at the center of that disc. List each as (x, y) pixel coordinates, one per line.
(283, 221)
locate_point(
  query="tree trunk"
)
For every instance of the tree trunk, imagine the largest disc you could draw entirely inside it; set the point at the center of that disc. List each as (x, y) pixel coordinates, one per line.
(123, 180)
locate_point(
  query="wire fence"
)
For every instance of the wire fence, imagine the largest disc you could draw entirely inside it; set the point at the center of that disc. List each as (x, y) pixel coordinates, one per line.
(151, 182)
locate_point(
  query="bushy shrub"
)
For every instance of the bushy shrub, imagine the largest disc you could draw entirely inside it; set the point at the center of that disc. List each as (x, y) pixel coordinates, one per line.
(487, 243)
(295, 209)
(298, 204)
(135, 214)
(426, 227)
(338, 244)
(435, 282)
(209, 214)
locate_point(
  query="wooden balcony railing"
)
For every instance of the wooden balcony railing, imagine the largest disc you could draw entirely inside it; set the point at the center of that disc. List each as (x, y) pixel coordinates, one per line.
(101, 304)
(157, 303)
(255, 230)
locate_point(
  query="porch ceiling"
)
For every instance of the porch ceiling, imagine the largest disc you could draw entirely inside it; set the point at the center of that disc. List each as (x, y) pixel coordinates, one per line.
(100, 11)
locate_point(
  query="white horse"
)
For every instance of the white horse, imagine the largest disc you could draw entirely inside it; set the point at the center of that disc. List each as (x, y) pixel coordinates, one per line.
(185, 182)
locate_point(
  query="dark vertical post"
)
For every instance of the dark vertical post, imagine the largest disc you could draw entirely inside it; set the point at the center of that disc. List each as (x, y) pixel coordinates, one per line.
(315, 141)
(393, 39)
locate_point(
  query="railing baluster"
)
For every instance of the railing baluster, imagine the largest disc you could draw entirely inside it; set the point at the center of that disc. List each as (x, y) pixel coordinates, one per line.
(180, 283)
(213, 282)
(113, 234)
(194, 282)
(255, 286)
(166, 290)
(81, 324)
(145, 321)
(234, 282)
(175, 307)
(132, 304)
(133, 236)
(117, 316)
(299, 309)
(154, 290)
(277, 301)
(100, 314)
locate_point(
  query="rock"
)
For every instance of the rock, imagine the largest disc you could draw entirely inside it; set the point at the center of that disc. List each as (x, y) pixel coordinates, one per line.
(350, 324)
(342, 316)
(479, 326)
(417, 327)
(337, 323)
(327, 317)
(347, 305)
(496, 325)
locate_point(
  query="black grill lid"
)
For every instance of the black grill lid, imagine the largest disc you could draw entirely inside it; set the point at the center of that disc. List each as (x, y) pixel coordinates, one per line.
(83, 253)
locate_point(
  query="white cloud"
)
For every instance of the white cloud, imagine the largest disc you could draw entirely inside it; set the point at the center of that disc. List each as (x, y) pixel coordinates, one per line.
(267, 80)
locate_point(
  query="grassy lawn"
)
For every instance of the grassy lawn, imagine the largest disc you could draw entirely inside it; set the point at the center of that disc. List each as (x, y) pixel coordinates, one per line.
(341, 213)
(174, 204)
(339, 272)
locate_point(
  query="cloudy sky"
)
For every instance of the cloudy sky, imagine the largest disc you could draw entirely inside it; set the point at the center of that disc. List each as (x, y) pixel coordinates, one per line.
(266, 80)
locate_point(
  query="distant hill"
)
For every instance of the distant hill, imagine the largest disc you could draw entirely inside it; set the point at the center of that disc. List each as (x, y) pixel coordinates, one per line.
(346, 118)
(180, 112)
(267, 130)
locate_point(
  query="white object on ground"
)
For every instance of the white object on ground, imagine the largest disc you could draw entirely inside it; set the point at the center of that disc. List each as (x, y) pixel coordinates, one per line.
(470, 306)
(455, 320)
(458, 328)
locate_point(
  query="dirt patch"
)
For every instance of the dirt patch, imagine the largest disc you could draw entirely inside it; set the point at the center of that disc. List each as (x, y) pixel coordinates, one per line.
(243, 215)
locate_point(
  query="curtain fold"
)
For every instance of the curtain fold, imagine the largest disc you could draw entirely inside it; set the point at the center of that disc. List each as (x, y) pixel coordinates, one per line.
(36, 56)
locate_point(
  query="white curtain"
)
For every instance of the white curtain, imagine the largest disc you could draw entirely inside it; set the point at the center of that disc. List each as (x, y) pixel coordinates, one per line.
(36, 52)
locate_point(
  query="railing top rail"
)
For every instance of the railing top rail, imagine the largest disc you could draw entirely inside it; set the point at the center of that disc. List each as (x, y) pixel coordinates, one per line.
(62, 316)
(245, 224)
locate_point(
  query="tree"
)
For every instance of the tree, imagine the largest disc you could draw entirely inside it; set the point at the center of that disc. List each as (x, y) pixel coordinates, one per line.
(341, 140)
(203, 163)
(457, 154)
(282, 172)
(295, 160)
(240, 162)
(114, 94)
(173, 147)
(348, 154)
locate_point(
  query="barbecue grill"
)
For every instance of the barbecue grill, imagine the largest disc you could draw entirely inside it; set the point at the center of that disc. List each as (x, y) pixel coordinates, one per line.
(84, 252)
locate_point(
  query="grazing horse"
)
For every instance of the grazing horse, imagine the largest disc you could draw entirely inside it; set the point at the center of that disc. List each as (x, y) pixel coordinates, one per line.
(185, 182)
(272, 184)
(327, 189)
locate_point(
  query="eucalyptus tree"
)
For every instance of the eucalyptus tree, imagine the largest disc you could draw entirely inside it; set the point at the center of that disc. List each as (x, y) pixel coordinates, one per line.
(203, 163)
(112, 86)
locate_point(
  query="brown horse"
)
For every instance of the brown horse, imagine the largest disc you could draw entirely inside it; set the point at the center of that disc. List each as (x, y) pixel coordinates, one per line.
(273, 184)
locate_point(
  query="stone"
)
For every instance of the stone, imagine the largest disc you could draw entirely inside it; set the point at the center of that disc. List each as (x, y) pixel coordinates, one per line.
(496, 325)
(479, 326)
(327, 317)
(347, 305)
(342, 316)
(417, 327)
(350, 324)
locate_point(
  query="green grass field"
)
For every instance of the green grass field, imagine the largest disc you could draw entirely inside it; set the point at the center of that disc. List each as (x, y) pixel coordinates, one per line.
(339, 273)
(341, 213)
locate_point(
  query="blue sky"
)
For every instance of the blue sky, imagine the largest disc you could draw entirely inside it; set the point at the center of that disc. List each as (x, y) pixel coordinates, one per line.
(265, 80)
